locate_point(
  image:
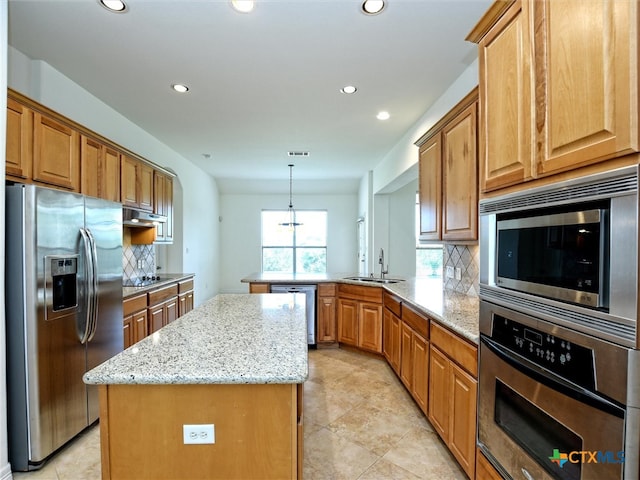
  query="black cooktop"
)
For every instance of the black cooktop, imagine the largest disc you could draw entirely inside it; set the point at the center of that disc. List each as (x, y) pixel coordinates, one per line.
(143, 281)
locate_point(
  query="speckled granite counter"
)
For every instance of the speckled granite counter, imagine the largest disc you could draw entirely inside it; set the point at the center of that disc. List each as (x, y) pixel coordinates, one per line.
(231, 339)
(167, 278)
(455, 310)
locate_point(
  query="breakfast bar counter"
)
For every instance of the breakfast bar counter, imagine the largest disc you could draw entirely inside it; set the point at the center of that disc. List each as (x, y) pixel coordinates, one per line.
(236, 363)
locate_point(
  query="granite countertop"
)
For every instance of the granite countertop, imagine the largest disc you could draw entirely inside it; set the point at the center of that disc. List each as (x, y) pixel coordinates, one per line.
(167, 278)
(230, 339)
(454, 310)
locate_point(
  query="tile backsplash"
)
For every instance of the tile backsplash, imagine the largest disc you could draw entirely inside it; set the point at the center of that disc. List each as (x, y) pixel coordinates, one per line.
(467, 258)
(137, 260)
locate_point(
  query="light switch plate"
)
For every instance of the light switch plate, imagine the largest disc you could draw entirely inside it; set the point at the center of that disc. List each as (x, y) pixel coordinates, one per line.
(449, 272)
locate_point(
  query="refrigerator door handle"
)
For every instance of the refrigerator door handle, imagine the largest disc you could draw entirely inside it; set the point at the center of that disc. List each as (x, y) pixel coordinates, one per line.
(89, 275)
(94, 286)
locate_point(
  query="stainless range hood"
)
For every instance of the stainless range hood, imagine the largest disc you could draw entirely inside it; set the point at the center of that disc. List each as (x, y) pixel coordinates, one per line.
(132, 217)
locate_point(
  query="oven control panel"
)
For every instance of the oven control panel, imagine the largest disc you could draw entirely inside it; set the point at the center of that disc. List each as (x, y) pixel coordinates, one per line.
(568, 360)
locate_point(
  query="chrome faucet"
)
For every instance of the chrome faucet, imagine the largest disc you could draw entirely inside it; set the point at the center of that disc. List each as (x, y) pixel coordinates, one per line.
(383, 272)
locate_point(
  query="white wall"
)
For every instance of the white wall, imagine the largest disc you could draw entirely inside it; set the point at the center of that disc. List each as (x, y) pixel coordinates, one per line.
(196, 200)
(240, 241)
(401, 254)
(5, 468)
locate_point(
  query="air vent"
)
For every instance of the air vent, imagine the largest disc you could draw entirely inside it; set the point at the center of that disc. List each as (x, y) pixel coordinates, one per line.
(611, 184)
(298, 154)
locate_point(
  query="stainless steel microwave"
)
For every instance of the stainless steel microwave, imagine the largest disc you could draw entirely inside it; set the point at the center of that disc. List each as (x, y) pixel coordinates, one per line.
(561, 253)
(567, 250)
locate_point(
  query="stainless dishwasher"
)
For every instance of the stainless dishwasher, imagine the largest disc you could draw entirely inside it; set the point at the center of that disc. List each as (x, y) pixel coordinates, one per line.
(310, 293)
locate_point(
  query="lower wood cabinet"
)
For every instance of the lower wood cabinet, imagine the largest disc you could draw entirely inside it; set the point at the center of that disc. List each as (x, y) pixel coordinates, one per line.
(360, 317)
(452, 394)
(484, 469)
(391, 335)
(134, 310)
(185, 297)
(259, 288)
(327, 323)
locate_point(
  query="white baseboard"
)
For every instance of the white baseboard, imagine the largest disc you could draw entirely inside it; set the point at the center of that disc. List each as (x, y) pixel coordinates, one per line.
(5, 472)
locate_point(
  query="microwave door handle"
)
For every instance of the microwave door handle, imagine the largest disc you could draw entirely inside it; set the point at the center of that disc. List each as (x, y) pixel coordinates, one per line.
(86, 330)
(556, 383)
(94, 286)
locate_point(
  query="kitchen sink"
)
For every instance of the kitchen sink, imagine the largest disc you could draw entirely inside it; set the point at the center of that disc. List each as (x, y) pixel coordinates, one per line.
(374, 280)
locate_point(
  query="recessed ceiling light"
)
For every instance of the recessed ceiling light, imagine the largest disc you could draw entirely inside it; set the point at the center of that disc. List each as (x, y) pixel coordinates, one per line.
(243, 6)
(383, 115)
(349, 89)
(113, 5)
(180, 88)
(372, 7)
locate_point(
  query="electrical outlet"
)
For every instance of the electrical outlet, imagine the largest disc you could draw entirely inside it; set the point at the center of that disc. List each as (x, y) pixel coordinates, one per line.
(199, 434)
(139, 263)
(449, 272)
(458, 273)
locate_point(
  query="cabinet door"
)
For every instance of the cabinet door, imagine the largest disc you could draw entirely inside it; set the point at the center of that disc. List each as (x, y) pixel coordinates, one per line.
(56, 153)
(460, 177)
(406, 355)
(145, 193)
(156, 318)
(439, 392)
(171, 309)
(420, 381)
(128, 329)
(110, 175)
(391, 335)
(128, 181)
(139, 325)
(259, 288)
(348, 321)
(19, 154)
(506, 118)
(586, 78)
(462, 418)
(327, 319)
(430, 186)
(168, 198)
(91, 152)
(370, 327)
(484, 469)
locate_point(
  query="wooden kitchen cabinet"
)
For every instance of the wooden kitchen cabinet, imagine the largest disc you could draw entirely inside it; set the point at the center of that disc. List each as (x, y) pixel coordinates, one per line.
(448, 175)
(136, 183)
(391, 329)
(185, 296)
(484, 469)
(555, 96)
(163, 205)
(162, 306)
(134, 310)
(100, 170)
(360, 317)
(326, 313)
(259, 287)
(19, 151)
(430, 188)
(452, 394)
(56, 153)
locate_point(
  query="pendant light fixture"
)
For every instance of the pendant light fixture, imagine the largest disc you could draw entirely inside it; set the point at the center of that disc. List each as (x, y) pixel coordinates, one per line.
(291, 213)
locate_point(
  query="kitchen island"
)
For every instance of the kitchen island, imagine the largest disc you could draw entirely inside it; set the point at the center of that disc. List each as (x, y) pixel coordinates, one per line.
(238, 363)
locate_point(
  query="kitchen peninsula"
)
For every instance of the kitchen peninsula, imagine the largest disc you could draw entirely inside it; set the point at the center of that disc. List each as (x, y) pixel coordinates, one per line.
(238, 363)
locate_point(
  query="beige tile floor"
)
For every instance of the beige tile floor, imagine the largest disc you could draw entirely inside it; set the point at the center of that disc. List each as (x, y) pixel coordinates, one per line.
(360, 423)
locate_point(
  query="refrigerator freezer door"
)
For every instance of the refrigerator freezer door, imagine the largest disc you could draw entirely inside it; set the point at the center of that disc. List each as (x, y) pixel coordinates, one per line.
(103, 221)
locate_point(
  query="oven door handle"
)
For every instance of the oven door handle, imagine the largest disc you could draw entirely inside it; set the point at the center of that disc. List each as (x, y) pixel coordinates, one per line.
(552, 381)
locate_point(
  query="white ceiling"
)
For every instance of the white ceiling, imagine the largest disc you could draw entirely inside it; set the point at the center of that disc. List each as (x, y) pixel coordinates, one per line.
(263, 83)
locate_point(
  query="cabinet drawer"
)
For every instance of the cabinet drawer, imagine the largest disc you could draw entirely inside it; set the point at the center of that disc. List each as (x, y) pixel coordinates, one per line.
(357, 292)
(185, 285)
(459, 350)
(418, 322)
(134, 304)
(392, 302)
(161, 294)
(326, 289)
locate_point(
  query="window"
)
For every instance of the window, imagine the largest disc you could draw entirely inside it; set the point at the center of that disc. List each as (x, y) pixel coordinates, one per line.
(300, 249)
(429, 257)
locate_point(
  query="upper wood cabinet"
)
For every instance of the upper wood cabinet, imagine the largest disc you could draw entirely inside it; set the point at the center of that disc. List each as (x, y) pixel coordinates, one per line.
(163, 205)
(100, 170)
(554, 95)
(19, 154)
(136, 183)
(56, 153)
(448, 171)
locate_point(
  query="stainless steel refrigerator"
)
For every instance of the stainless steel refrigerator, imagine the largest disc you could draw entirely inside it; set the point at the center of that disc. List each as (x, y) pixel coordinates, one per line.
(63, 312)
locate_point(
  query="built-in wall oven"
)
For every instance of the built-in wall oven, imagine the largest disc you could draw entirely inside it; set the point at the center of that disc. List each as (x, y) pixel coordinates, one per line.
(559, 374)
